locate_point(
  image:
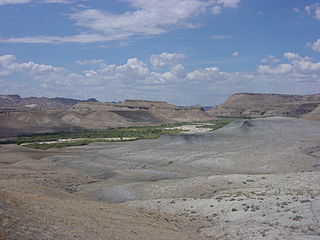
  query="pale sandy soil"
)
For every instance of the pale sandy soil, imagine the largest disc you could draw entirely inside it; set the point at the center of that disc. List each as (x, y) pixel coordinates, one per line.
(192, 129)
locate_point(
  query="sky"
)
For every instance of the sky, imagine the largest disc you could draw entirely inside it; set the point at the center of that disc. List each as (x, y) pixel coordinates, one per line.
(186, 52)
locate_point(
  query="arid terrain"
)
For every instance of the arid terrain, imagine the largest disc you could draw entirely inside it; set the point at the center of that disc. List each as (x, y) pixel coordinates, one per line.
(20, 116)
(267, 105)
(252, 179)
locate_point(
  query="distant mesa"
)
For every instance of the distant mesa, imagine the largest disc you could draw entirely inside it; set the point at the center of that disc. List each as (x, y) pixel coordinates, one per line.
(265, 105)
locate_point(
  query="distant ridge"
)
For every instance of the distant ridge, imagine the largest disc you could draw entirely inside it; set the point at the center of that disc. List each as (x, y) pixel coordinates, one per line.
(15, 102)
(266, 105)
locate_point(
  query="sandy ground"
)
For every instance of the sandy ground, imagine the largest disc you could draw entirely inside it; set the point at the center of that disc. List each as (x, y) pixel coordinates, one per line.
(192, 129)
(253, 179)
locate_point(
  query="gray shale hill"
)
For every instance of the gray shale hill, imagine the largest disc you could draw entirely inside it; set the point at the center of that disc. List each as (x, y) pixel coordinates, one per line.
(266, 105)
(38, 115)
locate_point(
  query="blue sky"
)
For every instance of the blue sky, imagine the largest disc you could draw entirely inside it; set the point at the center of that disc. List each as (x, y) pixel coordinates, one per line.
(186, 52)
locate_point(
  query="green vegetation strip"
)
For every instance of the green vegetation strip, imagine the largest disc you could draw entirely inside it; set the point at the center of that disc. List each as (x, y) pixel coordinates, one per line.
(89, 136)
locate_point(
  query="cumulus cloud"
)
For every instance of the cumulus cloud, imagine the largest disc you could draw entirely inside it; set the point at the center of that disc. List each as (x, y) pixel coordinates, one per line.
(9, 65)
(6, 60)
(148, 18)
(280, 69)
(165, 58)
(299, 68)
(315, 46)
(313, 10)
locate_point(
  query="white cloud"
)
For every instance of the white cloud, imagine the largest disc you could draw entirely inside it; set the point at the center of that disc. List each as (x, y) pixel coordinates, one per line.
(6, 60)
(315, 46)
(280, 69)
(160, 60)
(218, 37)
(206, 74)
(9, 65)
(33, 68)
(270, 59)
(299, 68)
(235, 54)
(148, 18)
(7, 2)
(313, 10)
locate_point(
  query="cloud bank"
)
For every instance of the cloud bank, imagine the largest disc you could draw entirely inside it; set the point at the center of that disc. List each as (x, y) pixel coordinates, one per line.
(139, 79)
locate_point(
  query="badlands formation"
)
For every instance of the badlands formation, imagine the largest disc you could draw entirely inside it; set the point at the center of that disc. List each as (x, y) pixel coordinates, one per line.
(252, 179)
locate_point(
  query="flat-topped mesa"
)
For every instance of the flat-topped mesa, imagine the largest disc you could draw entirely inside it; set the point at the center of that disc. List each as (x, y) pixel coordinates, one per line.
(264, 105)
(127, 105)
(147, 103)
(132, 105)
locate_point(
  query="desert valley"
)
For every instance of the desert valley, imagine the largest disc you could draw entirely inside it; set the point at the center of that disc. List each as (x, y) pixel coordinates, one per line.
(248, 169)
(159, 120)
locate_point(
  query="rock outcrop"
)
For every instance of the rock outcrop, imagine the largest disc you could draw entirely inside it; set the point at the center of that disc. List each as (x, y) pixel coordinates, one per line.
(266, 105)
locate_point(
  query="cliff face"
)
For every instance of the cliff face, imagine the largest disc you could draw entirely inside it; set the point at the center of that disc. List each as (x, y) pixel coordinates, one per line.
(265, 105)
